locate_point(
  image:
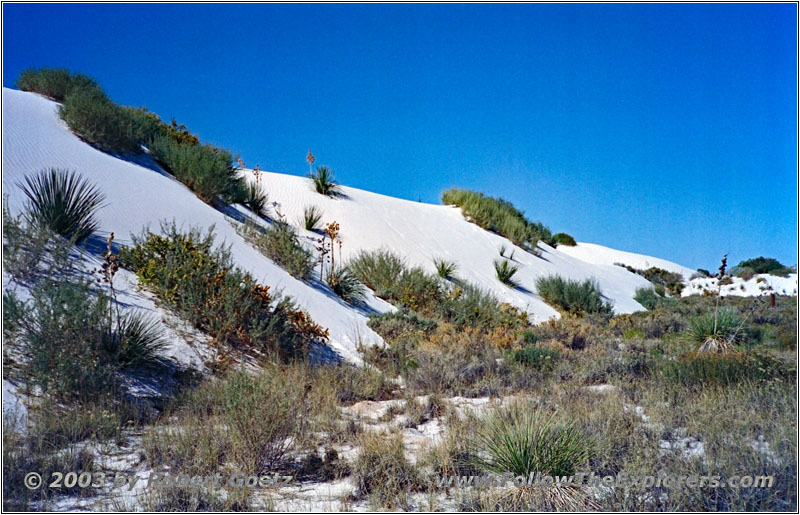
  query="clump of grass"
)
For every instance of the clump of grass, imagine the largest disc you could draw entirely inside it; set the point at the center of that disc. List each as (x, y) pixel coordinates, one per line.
(536, 356)
(446, 269)
(255, 199)
(562, 238)
(63, 202)
(505, 272)
(100, 122)
(54, 83)
(311, 218)
(382, 471)
(279, 243)
(141, 341)
(524, 440)
(498, 215)
(345, 285)
(647, 297)
(325, 182)
(701, 368)
(572, 296)
(378, 269)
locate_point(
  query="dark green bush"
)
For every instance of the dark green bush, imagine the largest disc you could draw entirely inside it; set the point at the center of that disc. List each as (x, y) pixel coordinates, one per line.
(63, 202)
(255, 199)
(563, 238)
(202, 284)
(537, 357)
(207, 170)
(378, 269)
(279, 243)
(647, 297)
(572, 296)
(763, 265)
(100, 122)
(55, 83)
(498, 215)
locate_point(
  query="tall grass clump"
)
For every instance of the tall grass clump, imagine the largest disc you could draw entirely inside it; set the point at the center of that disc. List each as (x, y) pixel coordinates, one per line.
(572, 296)
(63, 202)
(203, 286)
(311, 218)
(377, 269)
(325, 182)
(54, 83)
(382, 472)
(524, 440)
(279, 243)
(505, 272)
(444, 268)
(207, 170)
(500, 216)
(100, 122)
(255, 199)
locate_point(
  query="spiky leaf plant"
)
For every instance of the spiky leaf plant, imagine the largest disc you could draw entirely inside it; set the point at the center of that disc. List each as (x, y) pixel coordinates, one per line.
(445, 268)
(505, 272)
(325, 182)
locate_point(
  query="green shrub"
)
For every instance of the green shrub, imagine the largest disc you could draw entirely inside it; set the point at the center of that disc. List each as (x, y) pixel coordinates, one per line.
(563, 238)
(63, 202)
(537, 357)
(414, 289)
(378, 269)
(704, 368)
(255, 199)
(647, 297)
(207, 170)
(325, 182)
(53, 82)
(572, 296)
(279, 243)
(498, 215)
(446, 269)
(524, 440)
(205, 288)
(345, 285)
(311, 218)
(763, 265)
(382, 471)
(723, 327)
(140, 343)
(505, 272)
(100, 122)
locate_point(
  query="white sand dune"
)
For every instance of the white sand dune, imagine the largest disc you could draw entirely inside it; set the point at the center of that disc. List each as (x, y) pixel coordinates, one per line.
(139, 195)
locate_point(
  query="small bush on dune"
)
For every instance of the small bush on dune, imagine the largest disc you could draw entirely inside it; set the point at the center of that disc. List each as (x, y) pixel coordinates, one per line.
(505, 272)
(325, 182)
(279, 243)
(378, 269)
(55, 83)
(63, 202)
(446, 269)
(311, 218)
(255, 199)
(205, 169)
(345, 285)
(763, 265)
(647, 297)
(563, 238)
(100, 122)
(572, 296)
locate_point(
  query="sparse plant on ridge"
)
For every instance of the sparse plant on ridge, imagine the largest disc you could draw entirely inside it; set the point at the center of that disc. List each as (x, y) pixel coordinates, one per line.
(255, 199)
(325, 182)
(562, 238)
(505, 272)
(445, 268)
(62, 201)
(54, 83)
(311, 218)
(279, 243)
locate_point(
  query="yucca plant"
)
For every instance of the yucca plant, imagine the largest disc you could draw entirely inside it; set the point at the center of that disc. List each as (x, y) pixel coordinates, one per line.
(445, 268)
(505, 272)
(325, 182)
(718, 333)
(139, 341)
(255, 199)
(345, 285)
(62, 201)
(311, 218)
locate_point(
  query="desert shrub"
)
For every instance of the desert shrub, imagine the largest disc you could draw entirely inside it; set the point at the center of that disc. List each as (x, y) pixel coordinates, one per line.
(324, 182)
(415, 289)
(279, 243)
(563, 238)
(524, 440)
(723, 326)
(100, 122)
(703, 368)
(382, 471)
(54, 83)
(345, 285)
(763, 265)
(572, 296)
(201, 283)
(63, 202)
(446, 269)
(505, 272)
(647, 297)
(255, 199)
(536, 356)
(703, 272)
(498, 215)
(33, 251)
(469, 305)
(378, 269)
(311, 218)
(205, 169)
(140, 341)
(396, 324)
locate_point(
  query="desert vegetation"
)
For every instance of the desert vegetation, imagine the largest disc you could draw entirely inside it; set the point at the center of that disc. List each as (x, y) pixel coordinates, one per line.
(572, 296)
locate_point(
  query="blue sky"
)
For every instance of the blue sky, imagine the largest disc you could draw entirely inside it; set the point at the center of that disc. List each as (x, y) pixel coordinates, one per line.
(664, 129)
